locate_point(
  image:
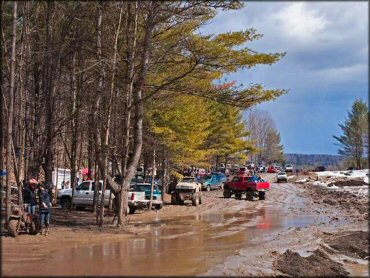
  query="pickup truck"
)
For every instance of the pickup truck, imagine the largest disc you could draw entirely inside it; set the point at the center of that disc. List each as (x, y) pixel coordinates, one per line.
(213, 181)
(248, 185)
(187, 189)
(84, 195)
(146, 188)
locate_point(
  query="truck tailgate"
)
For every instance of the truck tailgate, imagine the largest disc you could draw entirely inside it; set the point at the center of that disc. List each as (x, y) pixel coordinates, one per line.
(263, 186)
(137, 196)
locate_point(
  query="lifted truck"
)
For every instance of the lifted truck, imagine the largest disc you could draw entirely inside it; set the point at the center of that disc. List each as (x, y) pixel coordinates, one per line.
(187, 189)
(250, 186)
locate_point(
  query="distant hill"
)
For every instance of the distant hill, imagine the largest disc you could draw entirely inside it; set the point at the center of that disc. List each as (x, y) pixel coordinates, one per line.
(314, 160)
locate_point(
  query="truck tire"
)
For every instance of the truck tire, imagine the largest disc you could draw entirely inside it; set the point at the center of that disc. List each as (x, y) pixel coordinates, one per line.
(34, 227)
(249, 196)
(238, 196)
(262, 195)
(227, 193)
(195, 199)
(66, 203)
(158, 207)
(131, 210)
(181, 202)
(174, 199)
(13, 227)
(208, 188)
(200, 199)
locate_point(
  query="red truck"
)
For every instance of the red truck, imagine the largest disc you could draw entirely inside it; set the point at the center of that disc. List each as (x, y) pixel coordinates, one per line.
(250, 186)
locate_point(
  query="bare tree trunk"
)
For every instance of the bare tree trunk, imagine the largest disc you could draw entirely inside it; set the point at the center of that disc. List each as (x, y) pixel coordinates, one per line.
(49, 90)
(74, 124)
(1, 133)
(10, 113)
(152, 183)
(129, 79)
(107, 131)
(139, 108)
(96, 105)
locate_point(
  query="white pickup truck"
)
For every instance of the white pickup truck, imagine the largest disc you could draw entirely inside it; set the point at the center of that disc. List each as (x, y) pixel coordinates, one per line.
(84, 196)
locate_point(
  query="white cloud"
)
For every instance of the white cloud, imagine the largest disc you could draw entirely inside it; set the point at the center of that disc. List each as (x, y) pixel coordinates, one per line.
(325, 68)
(299, 22)
(342, 74)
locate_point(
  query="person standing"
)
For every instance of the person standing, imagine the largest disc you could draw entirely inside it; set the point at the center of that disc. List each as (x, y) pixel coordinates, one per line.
(45, 208)
(31, 195)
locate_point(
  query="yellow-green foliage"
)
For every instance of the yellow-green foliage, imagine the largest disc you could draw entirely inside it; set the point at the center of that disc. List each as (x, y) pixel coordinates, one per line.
(194, 130)
(192, 117)
(183, 126)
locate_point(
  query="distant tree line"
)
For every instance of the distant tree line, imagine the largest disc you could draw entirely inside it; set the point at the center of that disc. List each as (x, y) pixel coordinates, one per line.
(311, 161)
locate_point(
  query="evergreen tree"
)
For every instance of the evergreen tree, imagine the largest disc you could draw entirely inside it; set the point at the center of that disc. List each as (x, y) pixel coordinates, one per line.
(274, 150)
(354, 141)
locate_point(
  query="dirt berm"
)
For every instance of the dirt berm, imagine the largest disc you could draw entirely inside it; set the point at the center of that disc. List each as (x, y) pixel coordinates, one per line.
(317, 264)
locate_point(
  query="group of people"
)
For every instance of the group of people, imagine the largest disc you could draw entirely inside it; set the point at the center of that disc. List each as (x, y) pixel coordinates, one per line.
(39, 194)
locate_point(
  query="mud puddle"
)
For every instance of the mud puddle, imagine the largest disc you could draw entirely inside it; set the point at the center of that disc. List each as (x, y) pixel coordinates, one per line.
(185, 245)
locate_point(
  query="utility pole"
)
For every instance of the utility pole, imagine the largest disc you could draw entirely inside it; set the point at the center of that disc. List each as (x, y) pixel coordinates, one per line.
(152, 182)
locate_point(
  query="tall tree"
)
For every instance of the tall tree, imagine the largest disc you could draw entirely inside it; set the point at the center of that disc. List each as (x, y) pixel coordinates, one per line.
(274, 150)
(354, 143)
(9, 140)
(263, 134)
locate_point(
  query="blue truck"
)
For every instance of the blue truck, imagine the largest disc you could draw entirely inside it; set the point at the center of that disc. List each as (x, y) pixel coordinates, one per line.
(157, 194)
(213, 181)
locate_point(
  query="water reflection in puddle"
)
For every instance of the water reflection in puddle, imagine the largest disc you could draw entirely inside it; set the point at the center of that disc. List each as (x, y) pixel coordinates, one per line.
(176, 246)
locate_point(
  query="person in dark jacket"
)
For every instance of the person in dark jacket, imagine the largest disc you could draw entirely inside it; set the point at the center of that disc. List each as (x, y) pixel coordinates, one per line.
(31, 195)
(45, 208)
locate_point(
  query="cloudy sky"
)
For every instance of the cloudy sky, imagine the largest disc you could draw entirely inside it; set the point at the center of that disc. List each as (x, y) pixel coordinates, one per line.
(325, 69)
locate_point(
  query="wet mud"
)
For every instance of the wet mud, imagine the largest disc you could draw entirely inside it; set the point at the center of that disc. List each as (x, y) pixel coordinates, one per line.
(315, 265)
(220, 237)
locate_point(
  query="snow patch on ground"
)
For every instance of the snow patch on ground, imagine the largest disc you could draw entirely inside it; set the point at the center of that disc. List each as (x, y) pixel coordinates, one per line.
(302, 181)
(328, 178)
(345, 174)
(361, 191)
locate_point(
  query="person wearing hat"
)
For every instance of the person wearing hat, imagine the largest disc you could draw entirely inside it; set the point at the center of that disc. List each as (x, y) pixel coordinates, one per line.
(31, 190)
(45, 208)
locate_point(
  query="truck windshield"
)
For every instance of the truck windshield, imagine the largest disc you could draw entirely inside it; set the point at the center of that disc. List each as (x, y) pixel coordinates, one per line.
(145, 187)
(187, 180)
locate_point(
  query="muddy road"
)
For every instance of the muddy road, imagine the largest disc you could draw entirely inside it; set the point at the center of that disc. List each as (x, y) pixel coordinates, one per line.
(220, 237)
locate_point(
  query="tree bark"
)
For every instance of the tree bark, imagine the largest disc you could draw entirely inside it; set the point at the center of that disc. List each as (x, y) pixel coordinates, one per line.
(10, 113)
(139, 109)
(49, 92)
(152, 183)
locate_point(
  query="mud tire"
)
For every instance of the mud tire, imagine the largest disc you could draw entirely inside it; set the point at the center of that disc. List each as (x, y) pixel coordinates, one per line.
(13, 227)
(200, 199)
(208, 188)
(131, 210)
(227, 193)
(158, 207)
(174, 200)
(238, 196)
(249, 196)
(262, 195)
(34, 229)
(66, 203)
(195, 199)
